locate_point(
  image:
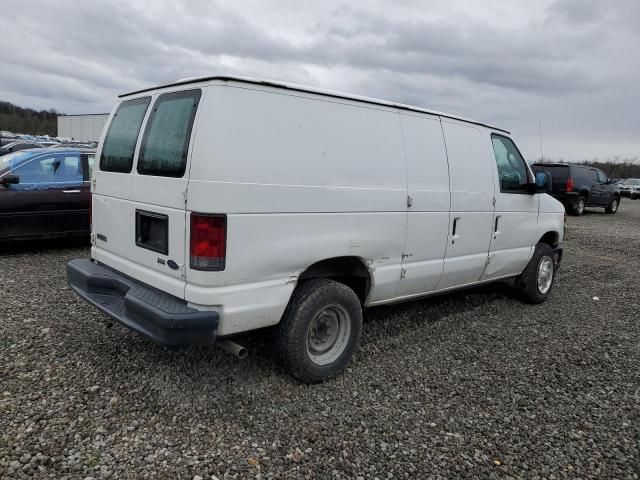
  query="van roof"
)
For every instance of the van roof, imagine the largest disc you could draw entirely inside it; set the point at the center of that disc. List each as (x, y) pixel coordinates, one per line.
(303, 88)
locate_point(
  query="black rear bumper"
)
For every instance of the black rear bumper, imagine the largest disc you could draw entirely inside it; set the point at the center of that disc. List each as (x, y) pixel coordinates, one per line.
(568, 199)
(155, 314)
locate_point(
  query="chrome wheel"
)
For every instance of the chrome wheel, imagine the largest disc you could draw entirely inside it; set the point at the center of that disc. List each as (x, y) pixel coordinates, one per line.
(614, 205)
(328, 334)
(545, 274)
(581, 206)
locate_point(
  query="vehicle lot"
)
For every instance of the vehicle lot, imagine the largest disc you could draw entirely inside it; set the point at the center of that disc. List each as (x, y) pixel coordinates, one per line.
(475, 383)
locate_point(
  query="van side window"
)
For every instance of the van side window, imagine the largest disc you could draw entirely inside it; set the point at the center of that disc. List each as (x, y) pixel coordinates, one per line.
(120, 142)
(602, 178)
(512, 169)
(166, 138)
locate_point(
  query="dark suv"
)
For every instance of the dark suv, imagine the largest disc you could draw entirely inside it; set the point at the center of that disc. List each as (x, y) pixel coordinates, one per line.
(579, 186)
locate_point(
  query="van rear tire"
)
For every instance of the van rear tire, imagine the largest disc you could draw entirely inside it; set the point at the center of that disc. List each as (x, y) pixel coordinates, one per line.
(536, 281)
(320, 330)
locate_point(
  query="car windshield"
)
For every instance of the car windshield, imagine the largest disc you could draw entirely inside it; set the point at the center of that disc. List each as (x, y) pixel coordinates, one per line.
(10, 160)
(631, 181)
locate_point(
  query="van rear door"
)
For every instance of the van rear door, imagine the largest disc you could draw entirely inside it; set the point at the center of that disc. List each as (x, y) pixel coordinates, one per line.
(139, 216)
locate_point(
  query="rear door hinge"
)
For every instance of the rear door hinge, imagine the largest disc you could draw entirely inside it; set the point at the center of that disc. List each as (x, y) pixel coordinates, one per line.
(409, 201)
(182, 271)
(494, 201)
(488, 260)
(93, 184)
(403, 272)
(184, 196)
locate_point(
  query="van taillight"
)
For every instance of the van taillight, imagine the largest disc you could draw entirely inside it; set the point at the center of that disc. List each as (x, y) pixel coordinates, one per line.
(569, 185)
(208, 242)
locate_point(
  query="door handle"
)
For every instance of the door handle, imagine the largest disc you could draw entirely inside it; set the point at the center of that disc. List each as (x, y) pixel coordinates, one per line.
(495, 227)
(453, 230)
(71, 191)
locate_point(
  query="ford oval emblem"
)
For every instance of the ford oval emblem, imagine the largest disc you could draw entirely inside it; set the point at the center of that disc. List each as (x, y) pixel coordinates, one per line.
(173, 265)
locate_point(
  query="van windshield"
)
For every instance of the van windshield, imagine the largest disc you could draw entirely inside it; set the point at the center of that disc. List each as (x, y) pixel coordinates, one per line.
(166, 138)
(120, 142)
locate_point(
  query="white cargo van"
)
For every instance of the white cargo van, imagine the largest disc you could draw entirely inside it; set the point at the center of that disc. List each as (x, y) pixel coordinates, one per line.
(227, 204)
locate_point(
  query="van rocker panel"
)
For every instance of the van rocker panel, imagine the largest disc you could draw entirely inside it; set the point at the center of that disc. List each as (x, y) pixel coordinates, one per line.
(159, 316)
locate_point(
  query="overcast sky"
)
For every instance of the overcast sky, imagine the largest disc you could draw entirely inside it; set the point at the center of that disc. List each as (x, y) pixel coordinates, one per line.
(572, 63)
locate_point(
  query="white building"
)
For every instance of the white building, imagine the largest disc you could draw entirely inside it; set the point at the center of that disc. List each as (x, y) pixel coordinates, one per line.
(82, 128)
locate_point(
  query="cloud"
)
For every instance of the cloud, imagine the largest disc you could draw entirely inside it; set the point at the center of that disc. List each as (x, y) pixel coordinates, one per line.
(567, 62)
(578, 12)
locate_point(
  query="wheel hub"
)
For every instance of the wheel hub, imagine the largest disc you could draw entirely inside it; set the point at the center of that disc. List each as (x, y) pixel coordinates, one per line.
(324, 331)
(328, 334)
(545, 274)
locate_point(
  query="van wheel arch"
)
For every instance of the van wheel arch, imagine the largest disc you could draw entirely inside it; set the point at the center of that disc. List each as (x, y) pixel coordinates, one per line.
(349, 270)
(551, 238)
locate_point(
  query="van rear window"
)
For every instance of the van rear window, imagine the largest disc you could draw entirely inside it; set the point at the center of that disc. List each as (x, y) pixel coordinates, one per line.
(120, 142)
(166, 138)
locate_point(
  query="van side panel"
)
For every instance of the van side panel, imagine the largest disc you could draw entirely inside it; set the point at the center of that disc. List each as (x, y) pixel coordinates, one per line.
(301, 179)
(428, 216)
(472, 192)
(267, 253)
(265, 152)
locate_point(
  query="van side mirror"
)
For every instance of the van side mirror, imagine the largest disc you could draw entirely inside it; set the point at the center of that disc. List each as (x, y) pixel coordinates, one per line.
(9, 180)
(543, 182)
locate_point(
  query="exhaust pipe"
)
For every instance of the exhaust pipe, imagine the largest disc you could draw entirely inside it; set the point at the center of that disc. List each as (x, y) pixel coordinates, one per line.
(232, 348)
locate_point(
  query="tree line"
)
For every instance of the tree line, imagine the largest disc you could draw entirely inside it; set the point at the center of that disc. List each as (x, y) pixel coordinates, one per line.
(26, 120)
(617, 167)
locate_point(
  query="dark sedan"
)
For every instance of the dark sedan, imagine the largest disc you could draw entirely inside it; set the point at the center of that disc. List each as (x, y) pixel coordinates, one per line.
(45, 193)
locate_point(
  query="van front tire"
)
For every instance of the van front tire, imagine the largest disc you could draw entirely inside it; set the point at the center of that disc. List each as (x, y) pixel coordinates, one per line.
(320, 330)
(536, 281)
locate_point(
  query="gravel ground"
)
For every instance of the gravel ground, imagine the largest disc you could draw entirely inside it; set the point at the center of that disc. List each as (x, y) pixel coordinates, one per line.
(474, 384)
